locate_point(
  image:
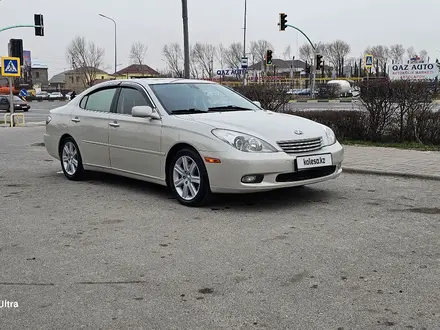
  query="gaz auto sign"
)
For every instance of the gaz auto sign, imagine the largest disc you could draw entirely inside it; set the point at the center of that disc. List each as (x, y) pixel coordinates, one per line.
(414, 71)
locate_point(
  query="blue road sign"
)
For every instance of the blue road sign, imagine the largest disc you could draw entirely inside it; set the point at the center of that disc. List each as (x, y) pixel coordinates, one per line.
(11, 67)
(369, 61)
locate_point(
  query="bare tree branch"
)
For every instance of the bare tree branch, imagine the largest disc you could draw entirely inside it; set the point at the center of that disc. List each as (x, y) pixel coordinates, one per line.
(138, 52)
(86, 59)
(174, 58)
(396, 53)
(259, 49)
(287, 54)
(336, 52)
(204, 55)
(380, 53)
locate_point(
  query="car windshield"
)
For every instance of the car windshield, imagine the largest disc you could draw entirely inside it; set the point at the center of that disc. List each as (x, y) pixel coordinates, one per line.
(16, 98)
(200, 97)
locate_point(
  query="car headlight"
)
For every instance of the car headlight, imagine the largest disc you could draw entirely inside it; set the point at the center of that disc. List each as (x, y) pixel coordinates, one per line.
(243, 142)
(331, 137)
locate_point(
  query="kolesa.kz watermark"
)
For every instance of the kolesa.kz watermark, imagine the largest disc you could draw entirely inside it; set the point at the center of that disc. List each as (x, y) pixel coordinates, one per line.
(8, 304)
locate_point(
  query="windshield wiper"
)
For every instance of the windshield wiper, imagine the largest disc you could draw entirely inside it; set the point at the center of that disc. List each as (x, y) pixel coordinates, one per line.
(228, 108)
(188, 111)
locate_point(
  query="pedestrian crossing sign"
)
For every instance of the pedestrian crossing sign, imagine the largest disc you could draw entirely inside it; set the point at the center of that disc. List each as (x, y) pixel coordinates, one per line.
(11, 67)
(369, 60)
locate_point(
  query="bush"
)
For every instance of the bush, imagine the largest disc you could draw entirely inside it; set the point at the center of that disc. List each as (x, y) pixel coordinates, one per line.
(270, 95)
(328, 91)
(354, 125)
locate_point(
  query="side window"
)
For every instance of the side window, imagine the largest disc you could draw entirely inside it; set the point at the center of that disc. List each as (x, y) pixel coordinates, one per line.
(130, 98)
(101, 100)
(83, 102)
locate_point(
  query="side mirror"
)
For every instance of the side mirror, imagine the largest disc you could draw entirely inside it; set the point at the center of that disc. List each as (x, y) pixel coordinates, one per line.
(144, 111)
(258, 104)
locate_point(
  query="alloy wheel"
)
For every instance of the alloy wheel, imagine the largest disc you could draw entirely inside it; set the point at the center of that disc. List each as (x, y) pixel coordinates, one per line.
(70, 158)
(186, 178)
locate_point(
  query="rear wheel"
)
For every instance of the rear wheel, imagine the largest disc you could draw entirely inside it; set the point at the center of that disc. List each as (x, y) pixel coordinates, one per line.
(71, 161)
(188, 178)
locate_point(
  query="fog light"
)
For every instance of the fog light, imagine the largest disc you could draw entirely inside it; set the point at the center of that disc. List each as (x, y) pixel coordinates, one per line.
(255, 178)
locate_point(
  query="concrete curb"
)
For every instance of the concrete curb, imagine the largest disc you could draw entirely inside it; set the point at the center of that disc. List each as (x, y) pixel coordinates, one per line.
(391, 174)
(322, 101)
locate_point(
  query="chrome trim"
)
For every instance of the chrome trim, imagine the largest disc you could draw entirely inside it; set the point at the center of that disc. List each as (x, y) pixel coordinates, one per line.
(300, 146)
(145, 151)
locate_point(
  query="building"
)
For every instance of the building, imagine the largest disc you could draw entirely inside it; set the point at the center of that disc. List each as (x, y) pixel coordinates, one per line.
(58, 81)
(82, 78)
(136, 71)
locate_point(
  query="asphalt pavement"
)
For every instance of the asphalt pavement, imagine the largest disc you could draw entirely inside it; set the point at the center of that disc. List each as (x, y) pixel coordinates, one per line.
(38, 111)
(359, 252)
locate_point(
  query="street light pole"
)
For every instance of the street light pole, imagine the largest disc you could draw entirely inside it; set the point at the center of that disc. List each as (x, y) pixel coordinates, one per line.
(116, 46)
(185, 38)
(244, 37)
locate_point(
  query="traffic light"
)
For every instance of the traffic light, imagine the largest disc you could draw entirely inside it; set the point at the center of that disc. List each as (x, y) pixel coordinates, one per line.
(16, 48)
(283, 22)
(269, 57)
(39, 26)
(319, 62)
(307, 68)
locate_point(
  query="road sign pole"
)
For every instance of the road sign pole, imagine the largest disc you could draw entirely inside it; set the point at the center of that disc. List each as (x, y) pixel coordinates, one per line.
(11, 102)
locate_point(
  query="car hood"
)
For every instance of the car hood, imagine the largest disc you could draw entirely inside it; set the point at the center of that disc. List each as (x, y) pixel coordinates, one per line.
(267, 125)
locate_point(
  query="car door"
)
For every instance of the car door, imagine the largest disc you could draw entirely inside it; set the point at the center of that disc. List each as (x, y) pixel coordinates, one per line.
(4, 103)
(135, 143)
(89, 126)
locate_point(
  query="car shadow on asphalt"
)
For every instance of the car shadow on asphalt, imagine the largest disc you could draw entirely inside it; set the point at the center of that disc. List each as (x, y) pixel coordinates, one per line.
(275, 199)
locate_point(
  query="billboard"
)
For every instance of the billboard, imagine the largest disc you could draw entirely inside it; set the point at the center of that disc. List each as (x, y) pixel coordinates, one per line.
(27, 61)
(414, 71)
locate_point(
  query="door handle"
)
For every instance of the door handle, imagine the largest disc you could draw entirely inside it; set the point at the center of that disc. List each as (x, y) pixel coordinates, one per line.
(76, 120)
(114, 124)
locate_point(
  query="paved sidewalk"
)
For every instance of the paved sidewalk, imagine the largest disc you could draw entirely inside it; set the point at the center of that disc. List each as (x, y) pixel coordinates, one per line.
(390, 161)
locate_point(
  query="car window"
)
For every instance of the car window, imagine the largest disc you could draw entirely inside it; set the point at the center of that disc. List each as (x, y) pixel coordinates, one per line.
(101, 100)
(130, 98)
(83, 102)
(202, 96)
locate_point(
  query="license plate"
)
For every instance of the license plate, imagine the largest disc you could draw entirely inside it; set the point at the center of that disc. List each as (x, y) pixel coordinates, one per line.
(314, 161)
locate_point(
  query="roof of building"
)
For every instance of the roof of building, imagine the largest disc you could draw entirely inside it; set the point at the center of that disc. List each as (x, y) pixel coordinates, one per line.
(137, 69)
(59, 78)
(85, 69)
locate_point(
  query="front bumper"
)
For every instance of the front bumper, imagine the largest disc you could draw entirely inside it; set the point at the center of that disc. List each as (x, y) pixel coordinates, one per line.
(279, 170)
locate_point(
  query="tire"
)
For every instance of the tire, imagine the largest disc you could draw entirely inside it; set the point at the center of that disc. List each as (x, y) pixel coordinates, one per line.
(25, 110)
(189, 183)
(69, 156)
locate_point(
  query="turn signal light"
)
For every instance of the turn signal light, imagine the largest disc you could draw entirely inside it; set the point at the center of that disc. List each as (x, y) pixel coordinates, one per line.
(212, 160)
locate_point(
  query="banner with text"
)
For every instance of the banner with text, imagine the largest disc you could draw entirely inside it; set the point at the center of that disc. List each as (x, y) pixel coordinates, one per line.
(416, 71)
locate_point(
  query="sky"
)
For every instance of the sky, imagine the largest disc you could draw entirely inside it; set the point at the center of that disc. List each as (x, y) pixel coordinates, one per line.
(156, 23)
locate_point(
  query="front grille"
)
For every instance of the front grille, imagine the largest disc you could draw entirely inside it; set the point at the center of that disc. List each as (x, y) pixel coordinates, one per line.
(298, 146)
(306, 174)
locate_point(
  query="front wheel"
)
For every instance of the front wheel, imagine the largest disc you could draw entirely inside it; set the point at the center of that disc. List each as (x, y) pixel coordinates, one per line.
(71, 161)
(188, 179)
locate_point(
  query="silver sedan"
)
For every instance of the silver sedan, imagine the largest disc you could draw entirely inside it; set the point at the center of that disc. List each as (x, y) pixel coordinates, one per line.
(196, 137)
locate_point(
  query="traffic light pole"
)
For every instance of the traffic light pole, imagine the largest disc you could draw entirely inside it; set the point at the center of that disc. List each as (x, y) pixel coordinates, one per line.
(19, 26)
(312, 85)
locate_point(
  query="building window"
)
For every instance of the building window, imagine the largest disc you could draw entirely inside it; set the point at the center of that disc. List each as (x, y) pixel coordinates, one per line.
(71, 79)
(77, 79)
(37, 75)
(102, 77)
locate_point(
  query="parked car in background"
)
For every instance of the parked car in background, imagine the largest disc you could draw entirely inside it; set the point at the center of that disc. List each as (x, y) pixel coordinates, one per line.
(56, 95)
(196, 137)
(42, 95)
(19, 104)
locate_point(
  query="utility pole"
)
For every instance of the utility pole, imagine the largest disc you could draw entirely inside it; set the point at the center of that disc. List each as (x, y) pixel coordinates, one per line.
(244, 38)
(185, 38)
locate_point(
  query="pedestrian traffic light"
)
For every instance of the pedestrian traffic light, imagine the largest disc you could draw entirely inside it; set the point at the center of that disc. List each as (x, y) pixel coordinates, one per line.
(319, 62)
(16, 48)
(269, 57)
(39, 26)
(283, 22)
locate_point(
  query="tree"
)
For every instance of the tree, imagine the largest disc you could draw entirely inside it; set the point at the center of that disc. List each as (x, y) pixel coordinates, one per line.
(381, 54)
(193, 65)
(233, 54)
(174, 59)
(138, 52)
(336, 52)
(423, 55)
(86, 59)
(306, 53)
(259, 49)
(396, 53)
(411, 52)
(204, 55)
(287, 53)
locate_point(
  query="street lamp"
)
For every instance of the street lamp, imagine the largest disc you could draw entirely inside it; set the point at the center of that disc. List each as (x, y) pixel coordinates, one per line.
(116, 57)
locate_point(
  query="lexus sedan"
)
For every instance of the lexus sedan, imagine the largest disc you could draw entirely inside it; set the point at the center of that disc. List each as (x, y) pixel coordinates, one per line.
(196, 137)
